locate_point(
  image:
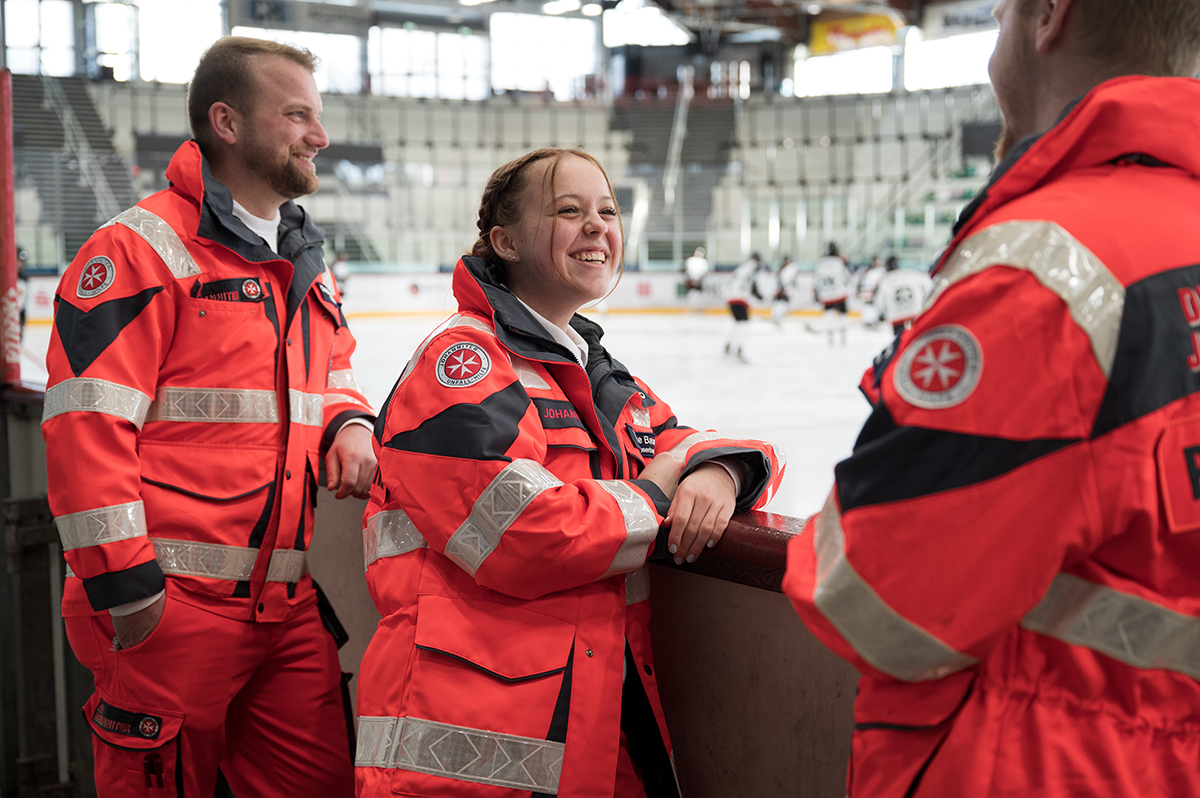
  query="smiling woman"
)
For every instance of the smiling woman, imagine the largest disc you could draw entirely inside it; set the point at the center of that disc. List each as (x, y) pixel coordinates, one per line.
(564, 249)
(523, 476)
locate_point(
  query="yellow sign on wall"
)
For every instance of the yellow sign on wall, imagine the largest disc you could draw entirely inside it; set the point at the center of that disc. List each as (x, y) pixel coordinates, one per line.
(852, 33)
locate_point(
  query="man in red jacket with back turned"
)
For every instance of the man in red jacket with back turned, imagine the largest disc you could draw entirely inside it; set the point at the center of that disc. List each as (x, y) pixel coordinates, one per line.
(199, 371)
(1011, 555)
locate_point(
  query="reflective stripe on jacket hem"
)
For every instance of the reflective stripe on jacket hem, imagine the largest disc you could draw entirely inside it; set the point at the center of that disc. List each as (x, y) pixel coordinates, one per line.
(90, 395)
(502, 501)
(389, 533)
(459, 752)
(217, 561)
(641, 527)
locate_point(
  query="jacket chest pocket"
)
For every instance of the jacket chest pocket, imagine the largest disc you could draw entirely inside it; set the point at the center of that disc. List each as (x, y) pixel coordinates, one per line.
(231, 334)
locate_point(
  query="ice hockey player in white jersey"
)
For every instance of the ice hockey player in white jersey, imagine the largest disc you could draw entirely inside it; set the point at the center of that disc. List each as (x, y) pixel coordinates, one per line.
(740, 291)
(785, 285)
(900, 294)
(694, 270)
(831, 283)
(868, 282)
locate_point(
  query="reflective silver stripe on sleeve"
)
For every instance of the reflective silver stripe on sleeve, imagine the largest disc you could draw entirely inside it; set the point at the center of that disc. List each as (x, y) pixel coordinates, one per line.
(389, 533)
(457, 320)
(497, 507)
(880, 635)
(1127, 628)
(214, 405)
(459, 752)
(637, 585)
(306, 408)
(102, 525)
(680, 449)
(641, 527)
(85, 394)
(1094, 297)
(159, 235)
(343, 379)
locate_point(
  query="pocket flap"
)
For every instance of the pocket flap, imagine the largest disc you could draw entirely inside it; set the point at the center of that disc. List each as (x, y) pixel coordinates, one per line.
(1178, 458)
(124, 726)
(209, 472)
(508, 642)
(923, 705)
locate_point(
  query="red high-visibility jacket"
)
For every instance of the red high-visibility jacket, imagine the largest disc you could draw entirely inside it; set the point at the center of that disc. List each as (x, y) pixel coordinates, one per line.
(506, 539)
(1010, 556)
(194, 378)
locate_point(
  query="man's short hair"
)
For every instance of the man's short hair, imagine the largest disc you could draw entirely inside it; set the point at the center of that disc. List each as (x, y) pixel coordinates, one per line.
(224, 74)
(1151, 37)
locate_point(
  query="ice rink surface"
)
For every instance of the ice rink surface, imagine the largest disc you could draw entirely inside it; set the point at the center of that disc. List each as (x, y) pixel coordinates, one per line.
(797, 390)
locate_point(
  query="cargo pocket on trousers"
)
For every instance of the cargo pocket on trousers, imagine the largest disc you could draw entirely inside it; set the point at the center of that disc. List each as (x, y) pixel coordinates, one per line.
(485, 684)
(139, 751)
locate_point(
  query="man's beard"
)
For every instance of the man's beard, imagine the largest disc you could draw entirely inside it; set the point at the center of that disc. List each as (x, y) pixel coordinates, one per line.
(285, 177)
(1005, 143)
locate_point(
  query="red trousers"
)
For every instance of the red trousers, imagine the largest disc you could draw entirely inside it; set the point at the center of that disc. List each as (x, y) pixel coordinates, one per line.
(260, 700)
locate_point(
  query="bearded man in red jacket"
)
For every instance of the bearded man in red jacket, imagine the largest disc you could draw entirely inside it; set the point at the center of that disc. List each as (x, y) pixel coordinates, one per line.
(199, 372)
(1011, 555)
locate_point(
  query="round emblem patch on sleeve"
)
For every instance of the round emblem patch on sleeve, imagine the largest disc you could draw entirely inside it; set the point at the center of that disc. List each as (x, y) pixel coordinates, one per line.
(96, 277)
(463, 364)
(940, 369)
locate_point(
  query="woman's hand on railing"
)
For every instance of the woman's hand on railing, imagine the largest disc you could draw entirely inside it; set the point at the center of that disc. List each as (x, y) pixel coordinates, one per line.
(700, 511)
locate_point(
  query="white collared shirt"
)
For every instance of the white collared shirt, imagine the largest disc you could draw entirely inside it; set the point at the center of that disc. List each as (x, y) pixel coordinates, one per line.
(572, 340)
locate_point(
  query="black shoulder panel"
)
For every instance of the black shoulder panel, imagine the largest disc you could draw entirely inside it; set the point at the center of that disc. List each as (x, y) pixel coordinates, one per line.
(1158, 351)
(86, 334)
(484, 431)
(892, 463)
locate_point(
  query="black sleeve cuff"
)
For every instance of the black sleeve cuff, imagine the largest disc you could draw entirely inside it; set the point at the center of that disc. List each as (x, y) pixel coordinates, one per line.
(335, 426)
(661, 503)
(121, 587)
(757, 472)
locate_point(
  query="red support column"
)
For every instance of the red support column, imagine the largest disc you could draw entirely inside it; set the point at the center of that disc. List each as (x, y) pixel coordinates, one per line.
(10, 320)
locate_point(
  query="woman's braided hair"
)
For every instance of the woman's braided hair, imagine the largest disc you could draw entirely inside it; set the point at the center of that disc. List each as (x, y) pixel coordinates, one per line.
(500, 204)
